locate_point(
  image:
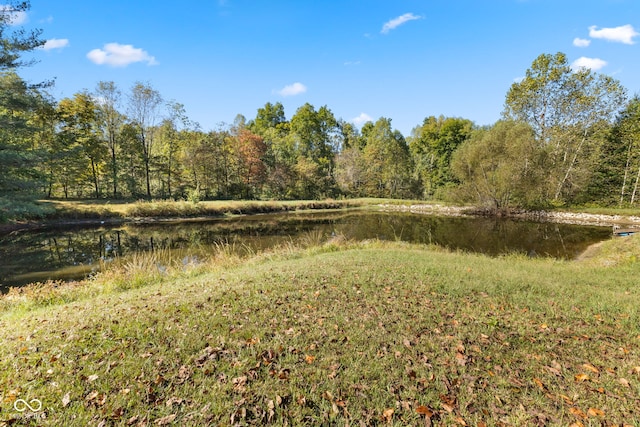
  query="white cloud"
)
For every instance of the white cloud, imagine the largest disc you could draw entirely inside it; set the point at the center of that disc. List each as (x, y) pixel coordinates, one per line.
(581, 42)
(120, 55)
(55, 44)
(291, 90)
(396, 22)
(362, 119)
(12, 18)
(623, 34)
(592, 63)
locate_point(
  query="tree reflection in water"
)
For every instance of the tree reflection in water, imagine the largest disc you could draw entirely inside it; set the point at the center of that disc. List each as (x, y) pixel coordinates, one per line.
(74, 252)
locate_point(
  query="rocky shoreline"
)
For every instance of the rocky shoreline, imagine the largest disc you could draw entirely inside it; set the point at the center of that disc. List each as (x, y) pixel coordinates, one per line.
(542, 216)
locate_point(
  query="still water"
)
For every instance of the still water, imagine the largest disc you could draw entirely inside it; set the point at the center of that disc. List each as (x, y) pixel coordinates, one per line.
(74, 252)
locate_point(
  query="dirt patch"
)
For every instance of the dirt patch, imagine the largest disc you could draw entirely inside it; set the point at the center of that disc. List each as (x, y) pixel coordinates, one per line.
(591, 252)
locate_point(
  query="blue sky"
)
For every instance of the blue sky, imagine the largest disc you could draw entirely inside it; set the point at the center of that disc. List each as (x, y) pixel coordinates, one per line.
(401, 59)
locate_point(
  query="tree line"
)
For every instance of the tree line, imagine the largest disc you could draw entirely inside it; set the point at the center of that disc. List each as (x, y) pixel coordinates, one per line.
(565, 137)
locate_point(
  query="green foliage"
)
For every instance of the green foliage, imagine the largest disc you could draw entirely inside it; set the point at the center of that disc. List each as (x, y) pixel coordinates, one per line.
(432, 145)
(193, 195)
(110, 126)
(568, 111)
(351, 171)
(498, 167)
(22, 208)
(79, 120)
(144, 111)
(18, 42)
(19, 156)
(387, 162)
(269, 117)
(86, 146)
(616, 176)
(314, 135)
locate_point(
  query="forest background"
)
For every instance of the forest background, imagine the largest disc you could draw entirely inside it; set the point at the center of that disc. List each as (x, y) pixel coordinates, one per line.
(567, 137)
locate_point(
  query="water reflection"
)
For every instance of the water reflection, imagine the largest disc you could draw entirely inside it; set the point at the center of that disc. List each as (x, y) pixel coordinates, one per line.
(74, 252)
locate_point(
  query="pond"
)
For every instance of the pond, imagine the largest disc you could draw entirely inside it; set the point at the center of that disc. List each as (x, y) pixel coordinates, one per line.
(68, 253)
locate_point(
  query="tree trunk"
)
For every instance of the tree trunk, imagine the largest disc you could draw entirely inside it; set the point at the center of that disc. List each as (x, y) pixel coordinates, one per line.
(95, 178)
(146, 173)
(635, 186)
(169, 171)
(114, 170)
(569, 169)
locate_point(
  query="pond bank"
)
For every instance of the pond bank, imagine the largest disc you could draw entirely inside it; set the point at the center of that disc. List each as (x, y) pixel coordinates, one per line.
(546, 216)
(148, 213)
(87, 214)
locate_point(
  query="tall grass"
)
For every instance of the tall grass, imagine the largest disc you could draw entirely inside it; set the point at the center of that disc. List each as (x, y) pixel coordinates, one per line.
(219, 208)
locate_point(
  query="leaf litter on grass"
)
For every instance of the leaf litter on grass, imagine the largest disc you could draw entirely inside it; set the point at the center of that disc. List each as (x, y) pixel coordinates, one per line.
(396, 336)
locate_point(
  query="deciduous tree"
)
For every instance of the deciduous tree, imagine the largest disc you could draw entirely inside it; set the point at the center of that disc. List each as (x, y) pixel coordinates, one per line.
(315, 135)
(18, 155)
(386, 155)
(567, 110)
(144, 111)
(79, 120)
(108, 99)
(498, 166)
(432, 146)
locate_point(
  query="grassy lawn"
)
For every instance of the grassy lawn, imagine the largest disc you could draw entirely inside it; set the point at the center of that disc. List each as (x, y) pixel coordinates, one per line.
(341, 334)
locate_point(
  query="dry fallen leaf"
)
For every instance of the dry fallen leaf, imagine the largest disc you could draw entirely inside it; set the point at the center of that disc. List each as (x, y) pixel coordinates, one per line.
(595, 412)
(582, 377)
(91, 396)
(461, 359)
(165, 420)
(591, 368)
(65, 400)
(554, 371)
(388, 414)
(539, 384)
(448, 408)
(577, 412)
(423, 410)
(566, 398)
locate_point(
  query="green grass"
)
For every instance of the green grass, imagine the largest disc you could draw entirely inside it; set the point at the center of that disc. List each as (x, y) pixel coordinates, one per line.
(338, 334)
(605, 211)
(22, 208)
